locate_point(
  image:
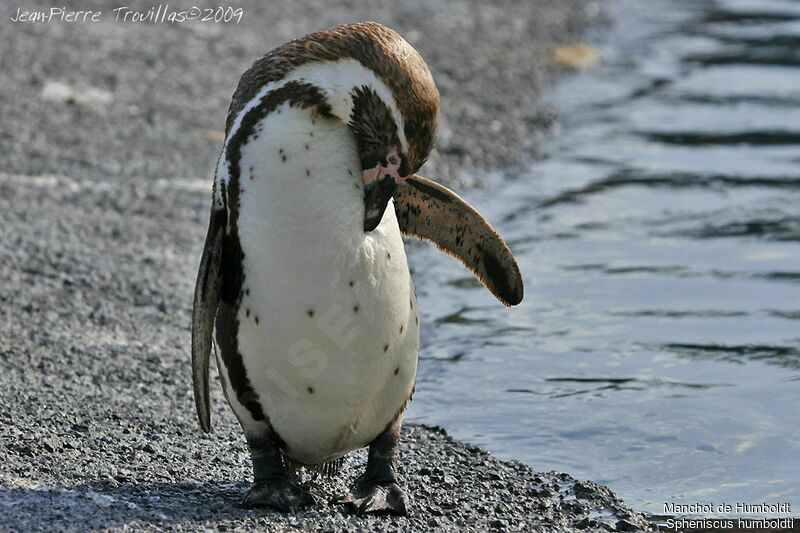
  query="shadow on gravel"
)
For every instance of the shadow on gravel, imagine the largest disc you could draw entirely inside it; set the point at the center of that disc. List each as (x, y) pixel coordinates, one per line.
(102, 504)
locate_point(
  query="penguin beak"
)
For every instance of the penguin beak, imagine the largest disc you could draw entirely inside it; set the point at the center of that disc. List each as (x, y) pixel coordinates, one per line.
(376, 198)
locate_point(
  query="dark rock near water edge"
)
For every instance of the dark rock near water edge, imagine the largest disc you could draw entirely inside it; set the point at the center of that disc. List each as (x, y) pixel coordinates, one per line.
(99, 248)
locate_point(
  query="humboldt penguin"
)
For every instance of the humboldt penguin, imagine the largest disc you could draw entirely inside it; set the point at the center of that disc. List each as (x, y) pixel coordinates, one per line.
(303, 275)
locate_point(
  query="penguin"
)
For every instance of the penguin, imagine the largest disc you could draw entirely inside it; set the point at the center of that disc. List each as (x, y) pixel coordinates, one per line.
(303, 290)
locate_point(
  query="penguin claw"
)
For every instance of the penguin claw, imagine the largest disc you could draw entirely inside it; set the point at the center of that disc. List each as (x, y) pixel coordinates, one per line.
(283, 495)
(375, 498)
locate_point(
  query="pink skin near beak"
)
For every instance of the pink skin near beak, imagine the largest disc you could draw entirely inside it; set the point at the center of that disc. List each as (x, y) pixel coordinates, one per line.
(392, 169)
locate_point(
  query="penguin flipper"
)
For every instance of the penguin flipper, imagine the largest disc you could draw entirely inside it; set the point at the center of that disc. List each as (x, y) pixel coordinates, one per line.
(206, 300)
(433, 212)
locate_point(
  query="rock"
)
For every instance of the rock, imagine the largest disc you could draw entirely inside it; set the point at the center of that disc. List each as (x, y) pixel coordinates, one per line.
(578, 56)
(60, 92)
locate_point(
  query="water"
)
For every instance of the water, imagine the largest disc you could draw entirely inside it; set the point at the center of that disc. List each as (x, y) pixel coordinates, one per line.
(658, 347)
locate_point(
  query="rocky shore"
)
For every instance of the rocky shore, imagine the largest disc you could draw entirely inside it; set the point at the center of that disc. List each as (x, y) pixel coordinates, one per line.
(109, 135)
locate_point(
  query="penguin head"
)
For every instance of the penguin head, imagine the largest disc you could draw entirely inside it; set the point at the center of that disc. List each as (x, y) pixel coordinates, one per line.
(392, 111)
(367, 76)
(384, 159)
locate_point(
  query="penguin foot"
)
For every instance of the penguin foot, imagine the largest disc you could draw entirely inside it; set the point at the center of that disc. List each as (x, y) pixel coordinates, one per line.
(282, 494)
(375, 497)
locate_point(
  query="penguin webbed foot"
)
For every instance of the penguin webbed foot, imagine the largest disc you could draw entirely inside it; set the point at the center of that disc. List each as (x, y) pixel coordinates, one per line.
(280, 493)
(375, 496)
(274, 486)
(376, 491)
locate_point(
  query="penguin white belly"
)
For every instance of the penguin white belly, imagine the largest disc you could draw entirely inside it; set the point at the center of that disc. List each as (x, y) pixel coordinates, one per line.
(328, 327)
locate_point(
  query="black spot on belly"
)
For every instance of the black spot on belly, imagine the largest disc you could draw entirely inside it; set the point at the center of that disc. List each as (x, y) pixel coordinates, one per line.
(247, 312)
(388, 256)
(401, 328)
(311, 390)
(355, 309)
(385, 348)
(352, 283)
(256, 321)
(396, 370)
(310, 313)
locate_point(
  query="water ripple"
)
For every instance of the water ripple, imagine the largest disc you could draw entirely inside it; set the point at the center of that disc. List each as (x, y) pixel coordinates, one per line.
(658, 240)
(753, 138)
(782, 228)
(632, 177)
(787, 356)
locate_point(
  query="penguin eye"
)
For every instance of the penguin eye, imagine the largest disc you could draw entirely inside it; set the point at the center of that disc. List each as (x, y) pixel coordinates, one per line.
(394, 160)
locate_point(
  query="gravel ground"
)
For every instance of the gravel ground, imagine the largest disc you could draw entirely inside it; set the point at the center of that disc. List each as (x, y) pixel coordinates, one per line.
(109, 134)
